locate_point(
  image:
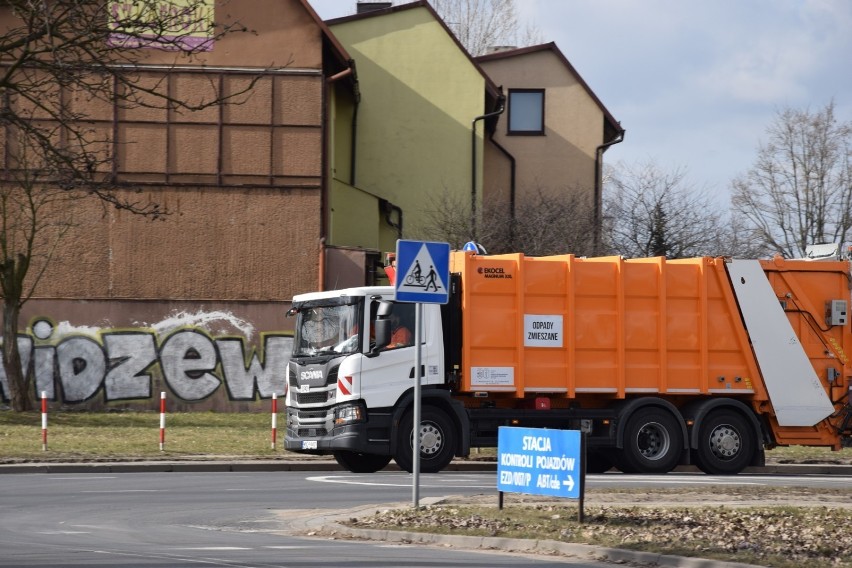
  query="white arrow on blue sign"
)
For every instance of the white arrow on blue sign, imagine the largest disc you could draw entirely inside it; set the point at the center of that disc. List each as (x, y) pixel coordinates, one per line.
(538, 461)
(422, 272)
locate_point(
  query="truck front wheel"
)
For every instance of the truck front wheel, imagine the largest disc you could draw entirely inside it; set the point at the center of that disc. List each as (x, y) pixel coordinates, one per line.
(361, 463)
(437, 441)
(726, 443)
(652, 442)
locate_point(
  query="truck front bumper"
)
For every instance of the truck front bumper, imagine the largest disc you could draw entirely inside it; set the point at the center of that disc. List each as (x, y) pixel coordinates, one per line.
(371, 435)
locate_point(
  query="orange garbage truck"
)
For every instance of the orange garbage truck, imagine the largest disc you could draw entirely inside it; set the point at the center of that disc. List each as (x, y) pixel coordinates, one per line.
(704, 361)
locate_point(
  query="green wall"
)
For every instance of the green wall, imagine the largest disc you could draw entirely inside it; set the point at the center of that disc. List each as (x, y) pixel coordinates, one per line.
(419, 95)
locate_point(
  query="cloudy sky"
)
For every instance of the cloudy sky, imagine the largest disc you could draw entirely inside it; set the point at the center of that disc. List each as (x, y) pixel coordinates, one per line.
(695, 83)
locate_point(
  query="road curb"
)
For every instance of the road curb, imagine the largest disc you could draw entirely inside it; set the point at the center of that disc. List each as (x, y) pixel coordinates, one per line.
(528, 546)
(165, 466)
(177, 466)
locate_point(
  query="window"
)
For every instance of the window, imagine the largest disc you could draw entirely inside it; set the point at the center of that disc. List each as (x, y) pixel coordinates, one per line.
(526, 111)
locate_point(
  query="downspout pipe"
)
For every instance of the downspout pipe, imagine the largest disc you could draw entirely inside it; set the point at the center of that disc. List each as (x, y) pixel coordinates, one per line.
(598, 205)
(501, 100)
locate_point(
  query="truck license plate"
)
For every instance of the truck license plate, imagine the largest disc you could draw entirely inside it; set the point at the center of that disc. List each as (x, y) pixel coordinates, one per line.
(309, 445)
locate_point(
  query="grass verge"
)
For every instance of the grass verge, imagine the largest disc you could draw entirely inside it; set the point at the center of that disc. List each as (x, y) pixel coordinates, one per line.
(135, 435)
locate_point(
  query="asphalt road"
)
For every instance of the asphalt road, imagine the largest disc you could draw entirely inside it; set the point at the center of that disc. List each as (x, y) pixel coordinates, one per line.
(208, 519)
(249, 518)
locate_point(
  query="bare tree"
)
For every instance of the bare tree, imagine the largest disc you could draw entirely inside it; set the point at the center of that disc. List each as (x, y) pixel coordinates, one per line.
(650, 212)
(546, 223)
(446, 218)
(34, 217)
(799, 190)
(60, 63)
(484, 24)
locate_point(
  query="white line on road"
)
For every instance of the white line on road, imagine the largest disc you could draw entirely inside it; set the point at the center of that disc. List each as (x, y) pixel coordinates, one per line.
(126, 491)
(81, 478)
(346, 480)
(287, 547)
(212, 548)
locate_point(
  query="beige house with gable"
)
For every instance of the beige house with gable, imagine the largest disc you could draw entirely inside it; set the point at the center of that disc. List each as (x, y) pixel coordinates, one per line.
(554, 127)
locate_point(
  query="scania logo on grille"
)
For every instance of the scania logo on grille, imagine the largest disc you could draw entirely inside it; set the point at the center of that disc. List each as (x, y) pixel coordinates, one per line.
(311, 374)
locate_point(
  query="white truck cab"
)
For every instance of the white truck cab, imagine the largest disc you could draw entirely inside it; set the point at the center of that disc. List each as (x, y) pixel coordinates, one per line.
(346, 394)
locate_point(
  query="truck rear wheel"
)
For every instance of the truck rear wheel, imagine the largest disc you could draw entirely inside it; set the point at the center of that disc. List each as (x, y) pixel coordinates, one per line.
(652, 442)
(361, 463)
(437, 441)
(726, 443)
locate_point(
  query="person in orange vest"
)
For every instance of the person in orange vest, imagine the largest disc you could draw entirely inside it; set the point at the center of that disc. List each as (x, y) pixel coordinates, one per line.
(400, 335)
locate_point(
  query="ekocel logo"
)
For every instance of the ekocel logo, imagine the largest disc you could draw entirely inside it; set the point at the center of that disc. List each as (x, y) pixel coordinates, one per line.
(493, 272)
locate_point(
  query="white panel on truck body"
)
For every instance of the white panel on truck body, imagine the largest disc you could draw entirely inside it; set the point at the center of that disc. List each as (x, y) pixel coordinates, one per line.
(798, 397)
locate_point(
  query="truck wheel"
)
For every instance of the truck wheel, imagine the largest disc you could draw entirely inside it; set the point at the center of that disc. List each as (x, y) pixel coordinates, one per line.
(361, 463)
(437, 441)
(652, 442)
(726, 443)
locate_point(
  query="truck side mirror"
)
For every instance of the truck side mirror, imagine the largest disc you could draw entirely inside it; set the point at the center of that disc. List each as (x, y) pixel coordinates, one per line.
(382, 328)
(383, 333)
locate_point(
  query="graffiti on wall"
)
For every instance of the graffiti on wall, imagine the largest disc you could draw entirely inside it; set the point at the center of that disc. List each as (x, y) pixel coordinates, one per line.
(73, 365)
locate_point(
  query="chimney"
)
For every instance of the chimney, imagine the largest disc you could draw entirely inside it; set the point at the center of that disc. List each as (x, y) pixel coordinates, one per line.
(501, 48)
(364, 7)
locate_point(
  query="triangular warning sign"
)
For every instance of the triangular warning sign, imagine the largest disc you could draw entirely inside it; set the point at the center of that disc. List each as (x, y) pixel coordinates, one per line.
(421, 276)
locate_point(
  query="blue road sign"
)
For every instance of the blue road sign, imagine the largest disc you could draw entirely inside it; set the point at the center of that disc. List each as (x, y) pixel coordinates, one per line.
(474, 246)
(422, 272)
(537, 461)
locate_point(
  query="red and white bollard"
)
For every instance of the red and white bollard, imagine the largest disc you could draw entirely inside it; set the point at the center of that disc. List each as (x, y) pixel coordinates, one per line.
(44, 421)
(162, 421)
(274, 418)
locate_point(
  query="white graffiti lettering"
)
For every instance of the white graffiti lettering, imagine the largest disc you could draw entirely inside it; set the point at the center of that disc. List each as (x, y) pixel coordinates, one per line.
(122, 365)
(130, 355)
(188, 359)
(243, 380)
(82, 366)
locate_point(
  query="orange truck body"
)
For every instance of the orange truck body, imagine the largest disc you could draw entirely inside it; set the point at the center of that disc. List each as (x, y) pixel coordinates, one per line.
(555, 329)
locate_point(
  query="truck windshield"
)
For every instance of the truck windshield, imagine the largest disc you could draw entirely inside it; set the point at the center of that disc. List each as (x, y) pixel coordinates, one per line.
(325, 330)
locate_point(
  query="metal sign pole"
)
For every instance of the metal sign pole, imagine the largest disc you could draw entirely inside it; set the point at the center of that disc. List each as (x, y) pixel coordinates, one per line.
(415, 484)
(581, 514)
(411, 286)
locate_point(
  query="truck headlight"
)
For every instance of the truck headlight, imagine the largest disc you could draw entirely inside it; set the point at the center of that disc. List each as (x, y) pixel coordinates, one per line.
(348, 414)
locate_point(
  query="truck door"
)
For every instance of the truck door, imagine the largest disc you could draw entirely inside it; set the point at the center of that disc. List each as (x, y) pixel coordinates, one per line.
(386, 376)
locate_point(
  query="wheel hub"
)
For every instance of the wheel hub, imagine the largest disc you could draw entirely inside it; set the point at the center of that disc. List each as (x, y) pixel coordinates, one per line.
(430, 439)
(653, 441)
(725, 442)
